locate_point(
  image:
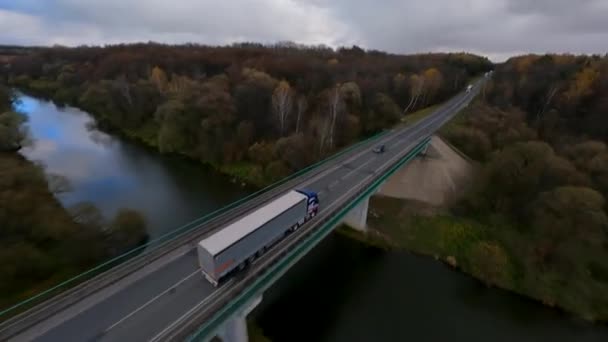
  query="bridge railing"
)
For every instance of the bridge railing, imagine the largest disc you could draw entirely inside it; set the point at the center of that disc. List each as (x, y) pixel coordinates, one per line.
(72, 290)
(217, 312)
(57, 298)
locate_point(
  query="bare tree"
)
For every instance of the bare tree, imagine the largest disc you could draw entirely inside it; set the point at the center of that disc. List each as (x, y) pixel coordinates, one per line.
(302, 107)
(335, 108)
(124, 88)
(416, 89)
(323, 131)
(552, 91)
(282, 103)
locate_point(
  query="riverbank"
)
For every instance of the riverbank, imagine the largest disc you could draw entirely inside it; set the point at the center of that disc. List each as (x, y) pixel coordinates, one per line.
(42, 245)
(489, 248)
(246, 173)
(44, 239)
(488, 253)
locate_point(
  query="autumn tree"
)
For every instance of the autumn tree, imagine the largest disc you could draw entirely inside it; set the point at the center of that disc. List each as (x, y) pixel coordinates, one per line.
(294, 151)
(171, 118)
(253, 97)
(159, 78)
(384, 112)
(417, 89)
(581, 86)
(282, 103)
(571, 212)
(302, 107)
(127, 229)
(514, 176)
(472, 141)
(334, 107)
(491, 263)
(433, 81)
(261, 153)
(12, 132)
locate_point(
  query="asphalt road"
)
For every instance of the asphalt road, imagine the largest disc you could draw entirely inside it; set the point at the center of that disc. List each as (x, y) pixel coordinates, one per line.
(143, 308)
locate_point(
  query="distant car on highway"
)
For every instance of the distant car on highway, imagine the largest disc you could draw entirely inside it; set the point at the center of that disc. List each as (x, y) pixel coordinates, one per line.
(469, 87)
(380, 149)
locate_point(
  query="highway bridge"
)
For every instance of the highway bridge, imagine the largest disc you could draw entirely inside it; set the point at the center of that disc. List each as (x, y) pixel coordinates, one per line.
(160, 294)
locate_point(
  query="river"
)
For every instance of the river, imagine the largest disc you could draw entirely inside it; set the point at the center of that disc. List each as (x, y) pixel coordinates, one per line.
(342, 291)
(112, 173)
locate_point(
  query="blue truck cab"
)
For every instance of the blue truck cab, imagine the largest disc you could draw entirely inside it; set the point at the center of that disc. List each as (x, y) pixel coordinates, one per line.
(313, 202)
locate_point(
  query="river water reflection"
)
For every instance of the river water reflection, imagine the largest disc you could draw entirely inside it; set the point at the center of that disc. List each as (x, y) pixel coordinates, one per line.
(113, 173)
(342, 291)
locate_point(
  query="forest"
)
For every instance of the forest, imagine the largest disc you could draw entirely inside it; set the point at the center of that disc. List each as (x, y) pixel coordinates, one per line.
(540, 131)
(257, 112)
(41, 243)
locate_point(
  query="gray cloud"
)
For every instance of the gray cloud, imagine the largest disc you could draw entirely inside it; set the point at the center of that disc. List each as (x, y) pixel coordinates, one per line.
(496, 28)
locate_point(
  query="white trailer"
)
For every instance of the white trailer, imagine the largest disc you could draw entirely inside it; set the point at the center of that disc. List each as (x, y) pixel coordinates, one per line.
(240, 242)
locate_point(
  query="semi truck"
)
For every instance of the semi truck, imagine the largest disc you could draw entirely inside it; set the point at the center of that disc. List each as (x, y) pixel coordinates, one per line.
(238, 244)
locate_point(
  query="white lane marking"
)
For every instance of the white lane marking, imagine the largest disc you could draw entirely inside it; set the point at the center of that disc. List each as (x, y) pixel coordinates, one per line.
(41, 328)
(187, 314)
(335, 203)
(151, 301)
(357, 169)
(395, 134)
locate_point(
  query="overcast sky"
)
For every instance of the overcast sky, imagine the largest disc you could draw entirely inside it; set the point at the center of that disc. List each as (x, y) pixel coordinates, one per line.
(495, 28)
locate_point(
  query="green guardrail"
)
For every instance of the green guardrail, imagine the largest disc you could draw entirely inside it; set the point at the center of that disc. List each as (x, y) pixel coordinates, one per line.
(275, 270)
(176, 233)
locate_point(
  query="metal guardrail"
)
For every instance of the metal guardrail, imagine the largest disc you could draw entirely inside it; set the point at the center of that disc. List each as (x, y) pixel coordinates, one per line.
(76, 288)
(215, 314)
(116, 269)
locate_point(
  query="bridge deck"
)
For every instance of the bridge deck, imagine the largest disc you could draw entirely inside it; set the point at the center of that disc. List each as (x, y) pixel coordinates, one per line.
(151, 302)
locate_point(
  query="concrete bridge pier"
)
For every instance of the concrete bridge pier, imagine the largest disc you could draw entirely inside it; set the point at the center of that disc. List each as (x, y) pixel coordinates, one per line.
(357, 217)
(235, 329)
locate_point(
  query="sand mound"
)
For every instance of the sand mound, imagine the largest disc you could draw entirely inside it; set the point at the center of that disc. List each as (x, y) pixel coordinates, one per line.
(436, 178)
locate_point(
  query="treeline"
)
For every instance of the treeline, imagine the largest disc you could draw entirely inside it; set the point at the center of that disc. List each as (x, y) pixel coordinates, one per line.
(260, 112)
(42, 244)
(540, 131)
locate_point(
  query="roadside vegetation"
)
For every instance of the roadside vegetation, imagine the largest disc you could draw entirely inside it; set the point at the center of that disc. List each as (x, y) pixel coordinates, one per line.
(418, 115)
(41, 243)
(256, 112)
(535, 220)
